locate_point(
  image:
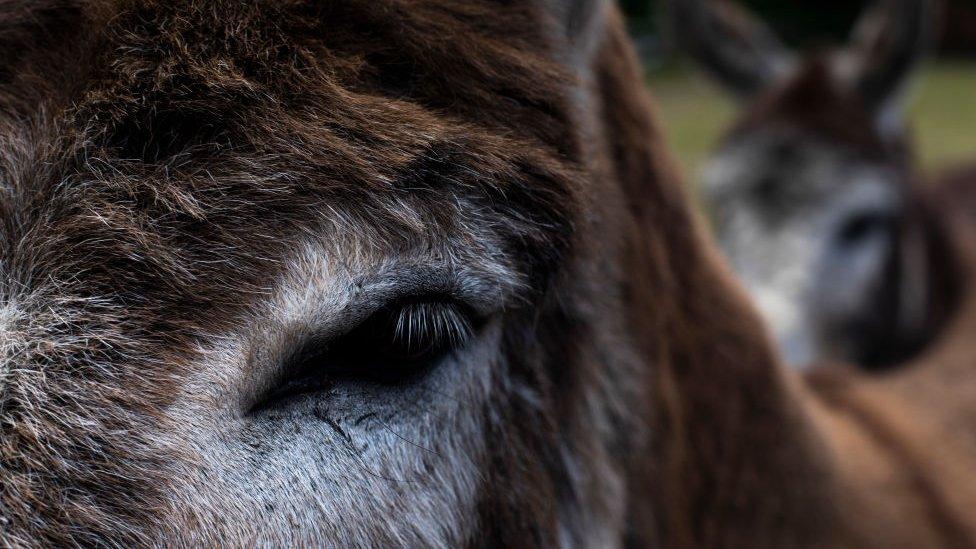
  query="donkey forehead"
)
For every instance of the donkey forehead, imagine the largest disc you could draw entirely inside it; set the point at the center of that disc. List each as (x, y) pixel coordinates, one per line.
(187, 170)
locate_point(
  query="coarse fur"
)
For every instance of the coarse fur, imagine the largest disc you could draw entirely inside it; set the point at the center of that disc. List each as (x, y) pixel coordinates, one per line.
(197, 194)
(814, 193)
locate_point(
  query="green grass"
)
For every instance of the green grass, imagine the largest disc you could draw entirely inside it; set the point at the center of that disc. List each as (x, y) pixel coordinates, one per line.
(943, 114)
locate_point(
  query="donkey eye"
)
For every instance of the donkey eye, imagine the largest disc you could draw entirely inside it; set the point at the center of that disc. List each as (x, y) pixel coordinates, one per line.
(396, 344)
(859, 227)
(403, 338)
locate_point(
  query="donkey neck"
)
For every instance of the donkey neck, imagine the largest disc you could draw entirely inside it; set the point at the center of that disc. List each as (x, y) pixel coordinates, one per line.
(734, 460)
(744, 452)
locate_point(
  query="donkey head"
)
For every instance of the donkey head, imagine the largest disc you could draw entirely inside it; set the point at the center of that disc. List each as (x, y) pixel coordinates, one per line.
(811, 190)
(313, 273)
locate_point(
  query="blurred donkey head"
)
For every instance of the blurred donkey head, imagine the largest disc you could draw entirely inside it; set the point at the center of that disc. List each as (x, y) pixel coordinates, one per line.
(811, 191)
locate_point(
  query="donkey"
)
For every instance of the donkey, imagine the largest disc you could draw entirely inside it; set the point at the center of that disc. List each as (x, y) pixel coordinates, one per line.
(813, 192)
(404, 273)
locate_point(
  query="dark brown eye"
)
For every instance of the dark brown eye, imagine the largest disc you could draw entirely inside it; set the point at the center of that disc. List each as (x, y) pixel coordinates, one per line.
(861, 226)
(399, 341)
(409, 333)
(396, 344)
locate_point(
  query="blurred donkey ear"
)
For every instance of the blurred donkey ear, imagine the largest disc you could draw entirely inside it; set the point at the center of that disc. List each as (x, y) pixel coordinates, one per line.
(890, 42)
(581, 21)
(740, 52)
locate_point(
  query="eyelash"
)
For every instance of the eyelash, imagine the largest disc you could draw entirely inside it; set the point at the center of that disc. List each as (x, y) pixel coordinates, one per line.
(424, 327)
(393, 345)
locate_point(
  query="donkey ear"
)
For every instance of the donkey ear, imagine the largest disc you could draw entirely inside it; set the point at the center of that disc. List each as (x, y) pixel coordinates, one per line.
(580, 22)
(889, 43)
(739, 51)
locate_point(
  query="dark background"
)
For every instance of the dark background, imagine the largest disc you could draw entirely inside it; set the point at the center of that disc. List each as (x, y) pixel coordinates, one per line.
(805, 23)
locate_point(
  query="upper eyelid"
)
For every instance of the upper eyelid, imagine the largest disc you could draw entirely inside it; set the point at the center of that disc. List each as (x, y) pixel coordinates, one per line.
(463, 312)
(481, 290)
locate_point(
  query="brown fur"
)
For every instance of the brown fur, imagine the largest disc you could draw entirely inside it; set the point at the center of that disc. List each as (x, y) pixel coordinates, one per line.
(155, 174)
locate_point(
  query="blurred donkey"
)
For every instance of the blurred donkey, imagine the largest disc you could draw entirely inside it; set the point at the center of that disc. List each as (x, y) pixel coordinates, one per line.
(849, 256)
